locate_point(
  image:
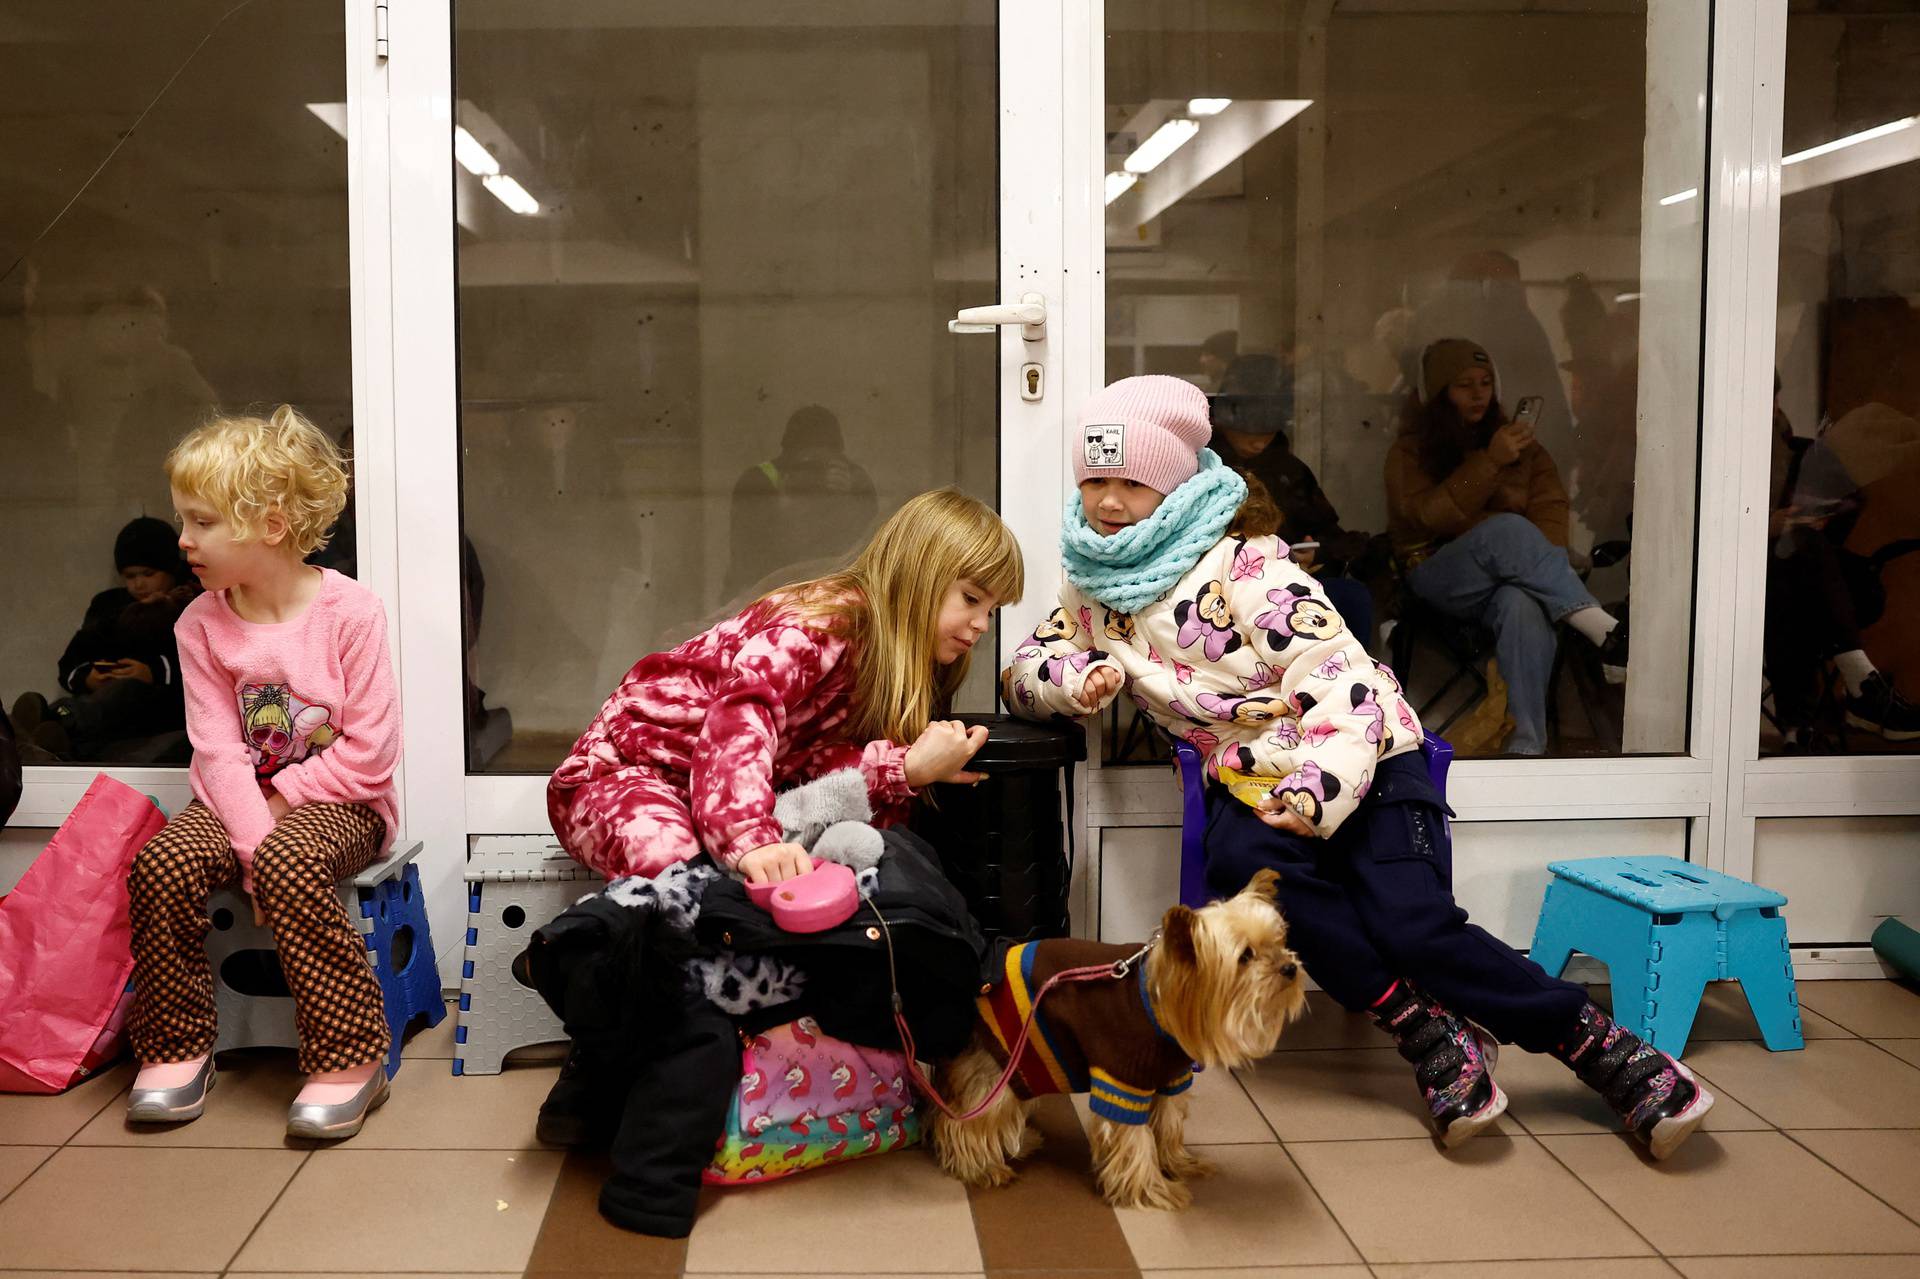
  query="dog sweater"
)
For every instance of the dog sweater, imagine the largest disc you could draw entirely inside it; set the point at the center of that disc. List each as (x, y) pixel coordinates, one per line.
(1099, 1037)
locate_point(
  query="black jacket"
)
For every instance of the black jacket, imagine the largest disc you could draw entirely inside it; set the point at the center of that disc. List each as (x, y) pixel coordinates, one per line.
(667, 1062)
(116, 627)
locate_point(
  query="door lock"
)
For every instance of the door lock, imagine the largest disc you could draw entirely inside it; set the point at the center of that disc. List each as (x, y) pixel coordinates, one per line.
(1032, 379)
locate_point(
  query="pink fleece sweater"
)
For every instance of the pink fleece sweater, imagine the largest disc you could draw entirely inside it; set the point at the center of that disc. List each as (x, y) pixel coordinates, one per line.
(306, 708)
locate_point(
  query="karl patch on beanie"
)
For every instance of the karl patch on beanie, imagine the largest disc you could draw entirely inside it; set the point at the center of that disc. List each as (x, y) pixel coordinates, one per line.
(1106, 444)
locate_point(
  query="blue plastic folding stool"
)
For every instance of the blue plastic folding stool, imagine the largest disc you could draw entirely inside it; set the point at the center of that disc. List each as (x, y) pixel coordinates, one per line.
(1665, 928)
(386, 905)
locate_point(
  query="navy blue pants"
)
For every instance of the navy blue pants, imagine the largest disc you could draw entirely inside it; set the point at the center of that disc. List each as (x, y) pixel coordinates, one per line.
(1373, 904)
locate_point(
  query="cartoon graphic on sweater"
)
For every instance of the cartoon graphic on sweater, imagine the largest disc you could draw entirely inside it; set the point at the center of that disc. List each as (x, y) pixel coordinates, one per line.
(1244, 658)
(282, 727)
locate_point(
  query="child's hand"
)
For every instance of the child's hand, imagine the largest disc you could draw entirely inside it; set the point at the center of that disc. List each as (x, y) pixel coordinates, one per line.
(1099, 687)
(1281, 818)
(941, 750)
(278, 806)
(771, 863)
(129, 668)
(259, 916)
(97, 678)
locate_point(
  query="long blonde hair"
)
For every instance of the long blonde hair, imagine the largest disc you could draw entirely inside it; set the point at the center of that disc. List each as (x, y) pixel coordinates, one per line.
(886, 605)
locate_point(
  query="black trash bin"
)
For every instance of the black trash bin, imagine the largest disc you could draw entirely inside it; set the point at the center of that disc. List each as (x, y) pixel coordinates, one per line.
(1003, 842)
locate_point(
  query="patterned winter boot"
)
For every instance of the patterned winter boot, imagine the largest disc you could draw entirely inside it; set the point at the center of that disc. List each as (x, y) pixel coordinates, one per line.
(1657, 1098)
(1452, 1062)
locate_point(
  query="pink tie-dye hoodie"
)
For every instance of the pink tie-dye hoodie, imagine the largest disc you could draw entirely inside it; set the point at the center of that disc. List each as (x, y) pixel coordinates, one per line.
(306, 708)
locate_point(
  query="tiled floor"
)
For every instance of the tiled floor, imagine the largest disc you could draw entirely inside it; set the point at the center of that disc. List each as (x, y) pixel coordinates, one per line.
(1810, 1166)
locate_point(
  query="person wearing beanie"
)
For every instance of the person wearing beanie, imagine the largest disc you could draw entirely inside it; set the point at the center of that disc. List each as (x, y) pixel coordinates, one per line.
(121, 669)
(1478, 518)
(1179, 592)
(1251, 412)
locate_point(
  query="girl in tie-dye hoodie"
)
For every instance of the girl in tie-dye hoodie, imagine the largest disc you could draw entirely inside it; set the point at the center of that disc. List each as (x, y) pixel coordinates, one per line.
(1179, 593)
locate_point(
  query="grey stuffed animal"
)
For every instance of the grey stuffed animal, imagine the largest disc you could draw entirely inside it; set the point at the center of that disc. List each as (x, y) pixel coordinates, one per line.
(831, 817)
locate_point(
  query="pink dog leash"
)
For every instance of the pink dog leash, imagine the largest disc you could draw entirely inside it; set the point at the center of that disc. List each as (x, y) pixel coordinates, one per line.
(1115, 971)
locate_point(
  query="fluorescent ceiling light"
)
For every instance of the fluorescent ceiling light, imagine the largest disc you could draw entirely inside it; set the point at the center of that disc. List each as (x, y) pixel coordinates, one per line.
(1851, 140)
(1119, 183)
(1207, 106)
(511, 194)
(473, 157)
(331, 114)
(1681, 197)
(1626, 297)
(1166, 139)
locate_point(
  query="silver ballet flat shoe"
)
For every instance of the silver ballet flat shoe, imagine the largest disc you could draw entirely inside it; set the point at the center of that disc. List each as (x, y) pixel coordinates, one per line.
(172, 1105)
(342, 1119)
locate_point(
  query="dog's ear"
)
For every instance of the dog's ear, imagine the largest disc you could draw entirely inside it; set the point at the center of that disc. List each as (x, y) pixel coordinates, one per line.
(1264, 883)
(1176, 935)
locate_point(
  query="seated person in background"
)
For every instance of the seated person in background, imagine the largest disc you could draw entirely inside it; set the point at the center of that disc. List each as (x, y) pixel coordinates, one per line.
(121, 670)
(1250, 413)
(1479, 525)
(810, 502)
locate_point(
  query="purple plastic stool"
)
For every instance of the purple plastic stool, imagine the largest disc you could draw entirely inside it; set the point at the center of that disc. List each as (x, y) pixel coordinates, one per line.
(1193, 813)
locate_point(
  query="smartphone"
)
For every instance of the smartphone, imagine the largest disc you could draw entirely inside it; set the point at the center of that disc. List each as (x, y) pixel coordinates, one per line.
(1528, 414)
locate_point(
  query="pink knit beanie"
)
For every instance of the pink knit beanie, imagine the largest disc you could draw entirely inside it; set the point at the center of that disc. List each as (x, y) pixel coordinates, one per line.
(1150, 429)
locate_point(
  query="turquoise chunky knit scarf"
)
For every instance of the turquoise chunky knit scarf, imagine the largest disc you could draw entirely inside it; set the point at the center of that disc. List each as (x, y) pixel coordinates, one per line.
(1137, 565)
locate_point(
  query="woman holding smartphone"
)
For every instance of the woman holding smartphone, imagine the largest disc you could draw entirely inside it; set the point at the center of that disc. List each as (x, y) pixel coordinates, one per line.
(1478, 518)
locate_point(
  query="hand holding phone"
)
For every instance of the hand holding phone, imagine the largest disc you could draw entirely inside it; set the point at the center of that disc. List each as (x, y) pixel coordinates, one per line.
(1512, 439)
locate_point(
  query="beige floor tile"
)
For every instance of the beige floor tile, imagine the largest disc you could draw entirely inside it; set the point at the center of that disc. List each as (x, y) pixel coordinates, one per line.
(247, 1108)
(1265, 1272)
(50, 1121)
(433, 1109)
(433, 1043)
(464, 1211)
(1722, 1193)
(1341, 1095)
(1328, 1025)
(1255, 1211)
(1870, 1009)
(1831, 1083)
(1546, 1098)
(1907, 1050)
(1400, 1201)
(120, 1208)
(1887, 1163)
(1589, 1268)
(358, 1274)
(118, 1274)
(1725, 1014)
(1220, 1113)
(17, 1164)
(799, 1226)
(1798, 1267)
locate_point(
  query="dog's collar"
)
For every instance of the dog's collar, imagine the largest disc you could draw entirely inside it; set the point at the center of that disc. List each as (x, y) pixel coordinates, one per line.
(1146, 996)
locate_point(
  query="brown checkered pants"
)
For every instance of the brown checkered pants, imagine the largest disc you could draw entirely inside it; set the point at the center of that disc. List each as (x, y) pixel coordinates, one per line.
(336, 998)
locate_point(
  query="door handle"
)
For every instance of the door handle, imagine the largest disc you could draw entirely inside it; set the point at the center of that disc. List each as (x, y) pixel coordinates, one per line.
(1030, 313)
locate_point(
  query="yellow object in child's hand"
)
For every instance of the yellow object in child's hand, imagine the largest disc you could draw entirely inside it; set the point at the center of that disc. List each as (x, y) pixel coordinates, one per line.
(1250, 789)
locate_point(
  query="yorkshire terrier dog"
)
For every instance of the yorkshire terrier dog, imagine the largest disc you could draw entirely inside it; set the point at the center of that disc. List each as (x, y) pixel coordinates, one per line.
(1215, 990)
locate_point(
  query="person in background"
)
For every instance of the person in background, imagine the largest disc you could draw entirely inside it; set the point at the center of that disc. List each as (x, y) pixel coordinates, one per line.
(1479, 525)
(810, 502)
(120, 670)
(1249, 414)
(1217, 354)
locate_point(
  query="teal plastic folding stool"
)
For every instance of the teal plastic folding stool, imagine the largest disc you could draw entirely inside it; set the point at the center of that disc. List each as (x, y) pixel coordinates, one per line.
(1665, 928)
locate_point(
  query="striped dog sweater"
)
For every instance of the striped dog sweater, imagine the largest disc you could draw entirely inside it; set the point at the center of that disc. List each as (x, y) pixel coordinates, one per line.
(1098, 1037)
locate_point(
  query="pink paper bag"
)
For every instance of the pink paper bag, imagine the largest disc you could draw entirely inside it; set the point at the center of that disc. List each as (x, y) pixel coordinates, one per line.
(65, 949)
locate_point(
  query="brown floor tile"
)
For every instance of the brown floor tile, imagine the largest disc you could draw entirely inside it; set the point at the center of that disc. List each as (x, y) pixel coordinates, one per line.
(1589, 1268)
(1401, 1201)
(17, 1164)
(433, 1109)
(799, 1226)
(1870, 1009)
(49, 1121)
(1798, 1267)
(1255, 1211)
(1722, 1193)
(189, 1209)
(462, 1210)
(1831, 1083)
(575, 1239)
(1345, 1095)
(1546, 1097)
(1907, 1050)
(1051, 1216)
(1328, 1025)
(1887, 1163)
(247, 1108)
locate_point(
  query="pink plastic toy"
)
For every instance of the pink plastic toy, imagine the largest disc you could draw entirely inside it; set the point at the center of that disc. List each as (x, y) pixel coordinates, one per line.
(809, 903)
